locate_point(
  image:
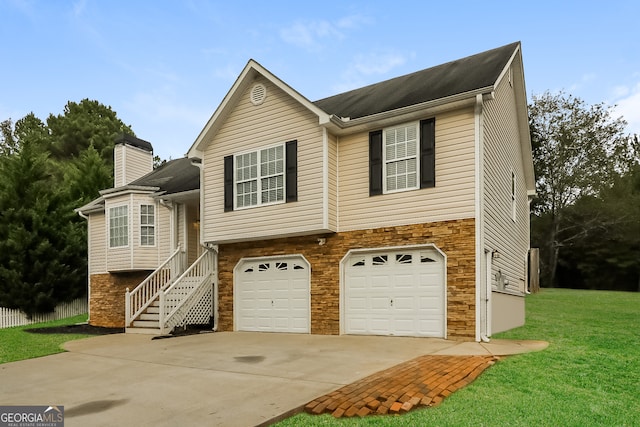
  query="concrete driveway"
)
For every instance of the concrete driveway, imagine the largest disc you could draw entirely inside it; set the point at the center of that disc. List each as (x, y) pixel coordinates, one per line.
(223, 378)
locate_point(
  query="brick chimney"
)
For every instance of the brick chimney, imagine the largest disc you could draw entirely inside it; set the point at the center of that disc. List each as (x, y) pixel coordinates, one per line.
(132, 159)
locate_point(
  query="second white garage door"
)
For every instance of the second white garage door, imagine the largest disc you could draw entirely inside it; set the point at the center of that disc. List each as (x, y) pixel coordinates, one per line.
(272, 295)
(395, 292)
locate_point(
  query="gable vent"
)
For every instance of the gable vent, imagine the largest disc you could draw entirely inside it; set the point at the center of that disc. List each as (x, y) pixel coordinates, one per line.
(258, 94)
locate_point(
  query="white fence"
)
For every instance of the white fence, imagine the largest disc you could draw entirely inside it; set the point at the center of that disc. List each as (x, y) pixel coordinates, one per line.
(15, 317)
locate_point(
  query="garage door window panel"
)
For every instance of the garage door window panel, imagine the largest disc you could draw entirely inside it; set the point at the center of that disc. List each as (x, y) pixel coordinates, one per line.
(379, 260)
(404, 258)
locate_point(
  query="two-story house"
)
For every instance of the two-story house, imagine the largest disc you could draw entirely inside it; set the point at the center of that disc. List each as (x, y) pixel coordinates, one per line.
(400, 208)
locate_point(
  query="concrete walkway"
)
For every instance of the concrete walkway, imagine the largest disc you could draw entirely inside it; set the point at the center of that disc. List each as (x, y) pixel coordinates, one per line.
(223, 378)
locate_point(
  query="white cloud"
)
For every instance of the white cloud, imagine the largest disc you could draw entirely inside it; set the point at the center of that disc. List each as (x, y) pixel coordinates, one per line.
(311, 34)
(307, 35)
(79, 7)
(629, 107)
(370, 68)
(227, 73)
(584, 80)
(354, 21)
(620, 91)
(377, 63)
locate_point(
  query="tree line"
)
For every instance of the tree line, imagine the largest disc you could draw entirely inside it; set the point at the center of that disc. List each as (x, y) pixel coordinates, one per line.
(47, 169)
(585, 218)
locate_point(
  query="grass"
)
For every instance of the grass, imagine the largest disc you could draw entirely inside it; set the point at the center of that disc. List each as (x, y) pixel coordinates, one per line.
(588, 376)
(17, 344)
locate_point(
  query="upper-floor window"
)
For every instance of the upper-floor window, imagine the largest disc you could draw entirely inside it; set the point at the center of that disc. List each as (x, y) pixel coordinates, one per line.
(402, 158)
(147, 225)
(259, 177)
(262, 177)
(118, 226)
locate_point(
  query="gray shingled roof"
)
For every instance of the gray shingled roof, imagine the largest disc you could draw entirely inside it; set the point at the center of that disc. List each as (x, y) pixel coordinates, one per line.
(463, 75)
(175, 176)
(136, 142)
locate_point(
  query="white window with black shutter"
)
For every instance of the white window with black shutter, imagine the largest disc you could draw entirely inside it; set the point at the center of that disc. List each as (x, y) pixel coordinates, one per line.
(402, 158)
(263, 177)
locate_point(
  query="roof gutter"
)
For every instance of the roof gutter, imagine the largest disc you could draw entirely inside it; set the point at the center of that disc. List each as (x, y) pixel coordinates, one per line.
(91, 207)
(83, 216)
(131, 188)
(163, 195)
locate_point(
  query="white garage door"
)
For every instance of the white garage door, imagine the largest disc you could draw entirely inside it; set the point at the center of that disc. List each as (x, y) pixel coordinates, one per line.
(272, 295)
(395, 292)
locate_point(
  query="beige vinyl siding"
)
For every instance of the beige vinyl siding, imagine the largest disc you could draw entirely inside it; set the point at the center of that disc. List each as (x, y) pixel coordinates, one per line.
(130, 164)
(193, 247)
(182, 241)
(502, 155)
(163, 233)
(248, 127)
(118, 166)
(97, 250)
(333, 182)
(451, 198)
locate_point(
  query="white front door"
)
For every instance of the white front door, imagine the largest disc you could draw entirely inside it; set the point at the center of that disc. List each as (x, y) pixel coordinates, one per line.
(272, 295)
(395, 292)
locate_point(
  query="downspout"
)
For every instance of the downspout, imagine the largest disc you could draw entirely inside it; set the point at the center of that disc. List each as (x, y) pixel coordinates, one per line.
(481, 303)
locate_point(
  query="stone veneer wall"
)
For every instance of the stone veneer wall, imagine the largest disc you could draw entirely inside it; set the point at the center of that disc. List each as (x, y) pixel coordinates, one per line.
(455, 238)
(106, 302)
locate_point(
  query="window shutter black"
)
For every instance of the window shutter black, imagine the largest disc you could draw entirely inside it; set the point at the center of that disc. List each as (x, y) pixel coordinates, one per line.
(291, 170)
(428, 153)
(228, 183)
(375, 163)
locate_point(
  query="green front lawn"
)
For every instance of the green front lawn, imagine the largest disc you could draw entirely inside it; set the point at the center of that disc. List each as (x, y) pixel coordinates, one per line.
(17, 344)
(589, 375)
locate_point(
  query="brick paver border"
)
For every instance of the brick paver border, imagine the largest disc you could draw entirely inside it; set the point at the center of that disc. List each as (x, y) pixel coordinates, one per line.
(423, 381)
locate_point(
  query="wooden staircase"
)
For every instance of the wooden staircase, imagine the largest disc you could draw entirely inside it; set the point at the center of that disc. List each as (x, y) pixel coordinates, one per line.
(148, 322)
(172, 297)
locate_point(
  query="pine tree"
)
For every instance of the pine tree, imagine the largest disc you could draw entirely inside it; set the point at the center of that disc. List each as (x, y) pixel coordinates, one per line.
(40, 256)
(46, 171)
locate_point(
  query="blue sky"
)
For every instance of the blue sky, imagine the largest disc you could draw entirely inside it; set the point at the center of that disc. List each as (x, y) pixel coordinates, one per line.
(164, 66)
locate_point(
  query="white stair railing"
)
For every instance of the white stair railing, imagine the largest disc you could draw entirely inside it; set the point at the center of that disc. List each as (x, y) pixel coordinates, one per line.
(189, 300)
(137, 301)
